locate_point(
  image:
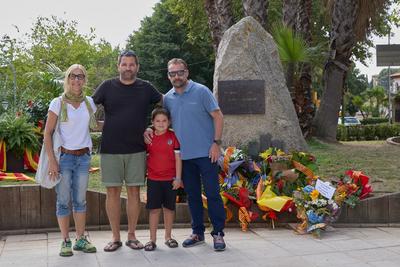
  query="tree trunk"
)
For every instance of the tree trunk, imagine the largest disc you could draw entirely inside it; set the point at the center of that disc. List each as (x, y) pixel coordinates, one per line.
(213, 23)
(303, 102)
(256, 9)
(289, 10)
(342, 42)
(225, 17)
(289, 75)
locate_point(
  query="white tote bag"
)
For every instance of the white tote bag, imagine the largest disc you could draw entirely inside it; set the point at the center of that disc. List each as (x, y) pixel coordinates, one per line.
(42, 174)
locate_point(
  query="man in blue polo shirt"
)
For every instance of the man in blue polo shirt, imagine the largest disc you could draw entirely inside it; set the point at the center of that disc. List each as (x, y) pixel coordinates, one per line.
(197, 121)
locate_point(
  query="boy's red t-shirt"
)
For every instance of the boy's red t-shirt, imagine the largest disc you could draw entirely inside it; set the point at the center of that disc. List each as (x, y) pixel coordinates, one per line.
(161, 157)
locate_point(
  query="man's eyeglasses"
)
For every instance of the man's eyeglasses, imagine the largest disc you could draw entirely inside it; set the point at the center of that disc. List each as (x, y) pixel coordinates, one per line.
(80, 77)
(180, 73)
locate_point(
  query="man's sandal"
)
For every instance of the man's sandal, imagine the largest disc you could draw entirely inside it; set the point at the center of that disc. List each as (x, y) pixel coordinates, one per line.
(112, 246)
(134, 244)
(171, 243)
(150, 246)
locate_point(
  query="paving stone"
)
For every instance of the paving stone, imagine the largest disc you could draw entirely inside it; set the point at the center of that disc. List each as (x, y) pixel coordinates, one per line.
(296, 261)
(26, 245)
(23, 238)
(386, 263)
(78, 259)
(343, 247)
(2, 243)
(331, 259)
(350, 244)
(373, 254)
(302, 247)
(257, 249)
(395, 249)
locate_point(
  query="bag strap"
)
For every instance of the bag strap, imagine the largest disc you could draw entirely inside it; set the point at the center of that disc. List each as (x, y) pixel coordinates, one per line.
(59, 113)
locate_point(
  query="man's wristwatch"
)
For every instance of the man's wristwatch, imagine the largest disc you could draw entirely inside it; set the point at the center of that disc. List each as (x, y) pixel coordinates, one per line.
(218, 142)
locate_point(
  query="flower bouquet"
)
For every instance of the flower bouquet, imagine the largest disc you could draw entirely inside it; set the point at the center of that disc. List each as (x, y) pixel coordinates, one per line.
(237, 176)
(352, 187)
(284, 174)
(315, 209)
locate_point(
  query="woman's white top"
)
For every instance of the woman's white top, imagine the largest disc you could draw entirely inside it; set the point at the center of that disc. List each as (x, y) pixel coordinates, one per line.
(74, 132)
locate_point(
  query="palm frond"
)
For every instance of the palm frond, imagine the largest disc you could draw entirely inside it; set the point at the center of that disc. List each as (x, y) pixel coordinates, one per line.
(292, 48)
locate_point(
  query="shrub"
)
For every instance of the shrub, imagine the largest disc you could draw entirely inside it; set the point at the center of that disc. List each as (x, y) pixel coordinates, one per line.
(18, 134)
(96, 139)
(367, 132)
(374, 120)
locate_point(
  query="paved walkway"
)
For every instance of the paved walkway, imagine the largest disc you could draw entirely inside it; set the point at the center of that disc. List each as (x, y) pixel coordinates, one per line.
(258, 247)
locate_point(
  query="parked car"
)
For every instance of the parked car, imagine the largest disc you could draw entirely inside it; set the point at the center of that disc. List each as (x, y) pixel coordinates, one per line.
(349, 121)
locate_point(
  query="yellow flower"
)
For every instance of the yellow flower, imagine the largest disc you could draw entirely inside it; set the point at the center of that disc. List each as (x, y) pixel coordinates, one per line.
(314, 194)
(264, 155)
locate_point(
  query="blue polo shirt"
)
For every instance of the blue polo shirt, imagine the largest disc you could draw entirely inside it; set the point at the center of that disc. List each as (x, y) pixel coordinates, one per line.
(191, 119)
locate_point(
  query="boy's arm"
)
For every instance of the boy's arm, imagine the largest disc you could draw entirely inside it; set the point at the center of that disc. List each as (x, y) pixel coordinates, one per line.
(178, 171)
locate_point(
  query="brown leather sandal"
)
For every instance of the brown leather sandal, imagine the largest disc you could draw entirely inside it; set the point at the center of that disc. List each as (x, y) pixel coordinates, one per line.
(134, 244)
(150, 246)
(171, 243)
(112, 246)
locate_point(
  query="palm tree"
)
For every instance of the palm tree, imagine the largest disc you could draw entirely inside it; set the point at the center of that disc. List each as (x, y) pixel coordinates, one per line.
(289, 13)
(378, 94)
(350, 22)
(225, 16)
(213, 23)
(256, 9)
(220, 18)
(304, 106)
(292, 49)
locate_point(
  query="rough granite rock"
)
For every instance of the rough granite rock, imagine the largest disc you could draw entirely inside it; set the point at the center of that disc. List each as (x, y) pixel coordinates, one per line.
(248, 52)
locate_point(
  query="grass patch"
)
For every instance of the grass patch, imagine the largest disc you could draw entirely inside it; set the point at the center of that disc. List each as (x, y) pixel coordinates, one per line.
(377, 159)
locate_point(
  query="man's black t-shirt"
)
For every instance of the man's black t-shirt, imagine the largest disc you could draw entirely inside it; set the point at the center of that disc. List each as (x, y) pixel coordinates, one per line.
(125, 108)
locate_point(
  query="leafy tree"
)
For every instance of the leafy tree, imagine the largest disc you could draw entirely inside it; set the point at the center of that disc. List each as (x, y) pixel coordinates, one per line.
(160, 38)
(352, 23)
(359, 102)
(383, 77)
(356, 82)
(52, 45)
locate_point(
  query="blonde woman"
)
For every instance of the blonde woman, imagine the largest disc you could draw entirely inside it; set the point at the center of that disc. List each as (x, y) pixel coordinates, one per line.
(76, 114)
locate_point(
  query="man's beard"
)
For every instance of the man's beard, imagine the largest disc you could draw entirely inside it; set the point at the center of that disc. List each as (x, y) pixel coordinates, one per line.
(128, 75)
(179, 83)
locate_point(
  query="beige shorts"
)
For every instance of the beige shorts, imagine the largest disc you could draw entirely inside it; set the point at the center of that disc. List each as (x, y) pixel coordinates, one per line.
(120, 169)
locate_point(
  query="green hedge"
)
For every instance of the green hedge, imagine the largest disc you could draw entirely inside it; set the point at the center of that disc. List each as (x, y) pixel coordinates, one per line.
(374, 121)
(96, 139)
(367, 132)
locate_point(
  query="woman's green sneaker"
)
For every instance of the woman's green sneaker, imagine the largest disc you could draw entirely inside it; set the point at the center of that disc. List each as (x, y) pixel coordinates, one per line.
(66, 250)
(82, 244)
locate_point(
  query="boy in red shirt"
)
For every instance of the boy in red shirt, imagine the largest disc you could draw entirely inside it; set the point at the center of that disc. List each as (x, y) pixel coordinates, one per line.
(164, 172)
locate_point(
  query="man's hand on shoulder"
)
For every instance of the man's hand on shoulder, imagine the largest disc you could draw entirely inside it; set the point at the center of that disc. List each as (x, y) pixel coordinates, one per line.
(148, 135)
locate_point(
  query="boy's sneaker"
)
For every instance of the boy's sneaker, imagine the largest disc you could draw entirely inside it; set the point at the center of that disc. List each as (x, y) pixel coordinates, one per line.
(82, 244)
(219, 243)
(193, 240)
(66, 250)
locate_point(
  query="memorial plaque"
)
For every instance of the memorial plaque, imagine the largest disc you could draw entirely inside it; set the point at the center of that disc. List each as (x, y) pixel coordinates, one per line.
(241, 97)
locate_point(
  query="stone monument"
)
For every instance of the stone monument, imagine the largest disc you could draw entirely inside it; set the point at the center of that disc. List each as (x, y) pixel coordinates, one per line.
(250, 87)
